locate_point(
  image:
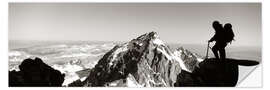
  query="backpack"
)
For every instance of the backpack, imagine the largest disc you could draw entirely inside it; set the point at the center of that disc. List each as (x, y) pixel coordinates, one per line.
(229, 35)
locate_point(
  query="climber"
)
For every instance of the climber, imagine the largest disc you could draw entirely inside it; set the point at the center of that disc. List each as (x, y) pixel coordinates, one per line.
(222, 37)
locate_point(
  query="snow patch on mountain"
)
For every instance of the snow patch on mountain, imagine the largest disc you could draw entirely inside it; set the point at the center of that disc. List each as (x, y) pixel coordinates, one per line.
(169, 57)
(69, 78)
(119, 50)
(199, 59)
(158, 42)
(180, 61)
(131, 82)
(187, 59)
(83, 78)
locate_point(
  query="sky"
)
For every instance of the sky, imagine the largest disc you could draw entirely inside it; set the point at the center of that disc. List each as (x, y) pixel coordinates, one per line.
(186, 23)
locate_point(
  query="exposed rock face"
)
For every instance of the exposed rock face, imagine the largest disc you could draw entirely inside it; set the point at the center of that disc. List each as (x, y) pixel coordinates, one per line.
(34, 72)
(187, 79)
(83, 74)
(211, 72)
(189, 59)
(143, 62)
(214, 73)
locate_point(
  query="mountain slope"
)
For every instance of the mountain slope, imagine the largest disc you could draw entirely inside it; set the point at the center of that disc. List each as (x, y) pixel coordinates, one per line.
(145, 62)
(190, 60)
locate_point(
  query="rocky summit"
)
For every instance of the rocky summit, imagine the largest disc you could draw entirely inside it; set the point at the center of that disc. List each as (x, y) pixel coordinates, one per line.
(143, 62)
(34, 72)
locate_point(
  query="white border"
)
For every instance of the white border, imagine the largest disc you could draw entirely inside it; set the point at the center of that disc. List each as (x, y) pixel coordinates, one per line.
(4, 38)
(130, 1)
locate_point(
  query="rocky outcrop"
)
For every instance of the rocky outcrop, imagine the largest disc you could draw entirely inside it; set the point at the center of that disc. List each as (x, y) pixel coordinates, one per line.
(214, 73)
(189, 59)
(34, 72)
(143, 62)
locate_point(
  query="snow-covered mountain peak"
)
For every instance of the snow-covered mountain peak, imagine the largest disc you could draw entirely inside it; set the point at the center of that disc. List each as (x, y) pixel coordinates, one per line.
(145, 58)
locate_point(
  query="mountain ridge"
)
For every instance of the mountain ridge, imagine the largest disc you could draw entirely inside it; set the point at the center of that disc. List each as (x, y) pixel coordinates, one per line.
(146, 59)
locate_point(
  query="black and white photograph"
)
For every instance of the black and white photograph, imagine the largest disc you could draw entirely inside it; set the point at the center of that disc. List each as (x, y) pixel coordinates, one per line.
(133, 44)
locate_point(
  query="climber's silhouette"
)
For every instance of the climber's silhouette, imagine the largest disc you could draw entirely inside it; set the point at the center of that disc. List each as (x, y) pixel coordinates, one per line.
(222, 37)
(210, 72)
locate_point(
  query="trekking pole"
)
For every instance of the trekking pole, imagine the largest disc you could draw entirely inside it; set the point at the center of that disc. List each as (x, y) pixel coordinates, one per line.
(207, 50)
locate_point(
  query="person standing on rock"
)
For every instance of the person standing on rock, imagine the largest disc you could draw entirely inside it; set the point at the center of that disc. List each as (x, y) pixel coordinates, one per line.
(220, 38)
